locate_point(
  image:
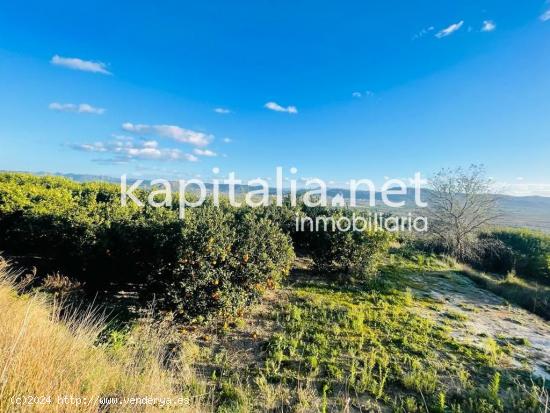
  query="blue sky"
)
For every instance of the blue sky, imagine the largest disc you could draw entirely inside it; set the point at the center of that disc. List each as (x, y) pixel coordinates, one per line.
(340, 90)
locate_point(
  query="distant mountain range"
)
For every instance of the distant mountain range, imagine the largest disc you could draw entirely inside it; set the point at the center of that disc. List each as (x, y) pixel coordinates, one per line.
(517, 211)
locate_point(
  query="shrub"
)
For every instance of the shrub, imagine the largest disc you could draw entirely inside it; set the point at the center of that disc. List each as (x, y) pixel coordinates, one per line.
(62, 221)
(356, 253)
(524, 251)
(225, 259)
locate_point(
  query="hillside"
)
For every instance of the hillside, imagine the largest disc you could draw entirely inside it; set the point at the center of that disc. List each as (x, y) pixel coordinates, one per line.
(422, 338)
(274, 207)
(231, 309)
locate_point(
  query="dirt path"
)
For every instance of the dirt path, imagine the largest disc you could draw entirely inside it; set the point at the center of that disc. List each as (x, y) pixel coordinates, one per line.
(475, 314)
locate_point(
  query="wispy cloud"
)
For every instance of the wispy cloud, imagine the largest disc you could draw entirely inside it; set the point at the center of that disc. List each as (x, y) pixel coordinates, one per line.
(80, 108)
(488, 26)
(78, 64)
(545, 16)
(222, 111)
(423, 32)
(90, 147)
(204, 152)
(278, 108)
(362, 94)
(522, 188)
(227, 140)
(449, 30)
(174, 132)
(127, 149)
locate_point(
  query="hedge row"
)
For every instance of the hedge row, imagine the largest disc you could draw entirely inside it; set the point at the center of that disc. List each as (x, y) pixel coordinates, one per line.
(524, 251)
(217, 257)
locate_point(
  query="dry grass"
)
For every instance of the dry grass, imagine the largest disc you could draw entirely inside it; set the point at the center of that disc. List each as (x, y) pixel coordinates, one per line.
(43, 353)
(532, 297)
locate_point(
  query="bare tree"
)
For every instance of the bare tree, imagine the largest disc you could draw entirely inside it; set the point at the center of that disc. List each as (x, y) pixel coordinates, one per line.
(460, 205)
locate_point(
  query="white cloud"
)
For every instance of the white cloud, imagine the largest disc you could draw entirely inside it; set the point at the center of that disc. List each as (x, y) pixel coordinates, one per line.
(63, 107)
(85, 108)
(449, 30)
(222, 110)
(227, 140)
(150, 144)
(127, 150)
(278, 108)
(204, 152)
(80, 108)
(176, 133)
(488, 26)
(123, 138)
(545, 16)
(423, 32)
(359, 95)
(91, 147)
(111, 161)
(521, 188)
(79, 64)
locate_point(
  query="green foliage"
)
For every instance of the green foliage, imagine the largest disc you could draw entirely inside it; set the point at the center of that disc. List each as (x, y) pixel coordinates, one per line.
(72, 225)
(525, 252)
(356, 253)
(225, 259)
(232, 399)
(216, 258)
(494, 386)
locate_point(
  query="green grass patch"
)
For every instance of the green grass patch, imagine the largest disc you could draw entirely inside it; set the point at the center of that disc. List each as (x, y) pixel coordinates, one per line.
(372, 345)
